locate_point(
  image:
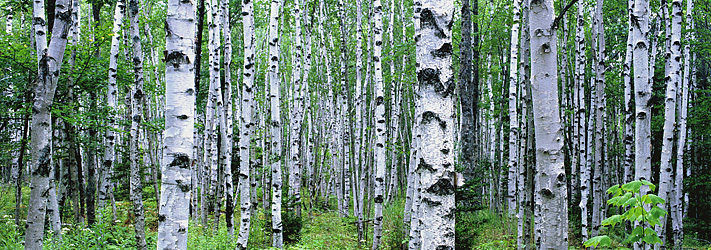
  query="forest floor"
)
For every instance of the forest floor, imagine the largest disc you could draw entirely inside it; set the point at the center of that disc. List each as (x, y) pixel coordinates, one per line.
(322, 229)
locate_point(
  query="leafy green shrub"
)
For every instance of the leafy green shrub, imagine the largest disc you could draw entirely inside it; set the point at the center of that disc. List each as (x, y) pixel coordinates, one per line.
(628, 197)
(10, 237)
(200, 237)
(291, 224)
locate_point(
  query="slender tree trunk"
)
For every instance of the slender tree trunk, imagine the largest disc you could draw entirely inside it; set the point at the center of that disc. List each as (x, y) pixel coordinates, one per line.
(179, 119)
(226, 123)
(105, 181)
(49, 58)
(136, 190)
(246, 123)
(551, 210)
(276, 128)
(599, 111)
(21, 163)
(513, 164)
(295, 164)
(629, 105)
(469, 91)
(91, 166)
(677, 211)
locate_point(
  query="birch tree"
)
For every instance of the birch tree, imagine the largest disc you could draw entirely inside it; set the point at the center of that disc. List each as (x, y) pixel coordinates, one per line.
(226, 117)
(49, 64)
(136, 190)
(672, 80)
(513, 115)
(179, 120)
(628, 105)
(297, 116)
(551, 213)
(379, 117)
(436, 123)
(246, 122)
(275, 101)
(105, 185)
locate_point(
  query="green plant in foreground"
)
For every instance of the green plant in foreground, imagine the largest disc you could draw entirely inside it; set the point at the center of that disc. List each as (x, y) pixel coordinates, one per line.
(638, 207)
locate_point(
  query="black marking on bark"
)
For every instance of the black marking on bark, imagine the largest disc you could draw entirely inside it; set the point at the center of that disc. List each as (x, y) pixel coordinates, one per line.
(378, 199)
(182, 117)
(137, 118)
(276, 230)
(428, 21)
(430, 202)
(244, 13)
(561, 178)
(444, 247)
(547, 193)
(138, 94)
(444, 150)
(180, 160)
(248, 66)
(444, 51)
(378, 43)
(429, 116)
(108, 163)
(43, 162)
(442, 187)
(275, 58)
(190, 91)
(430, 76)
(183, 187)
(378, 100)
(425, 165)
(161, 218)
(38, 21)
(176, 58)
(181, 230)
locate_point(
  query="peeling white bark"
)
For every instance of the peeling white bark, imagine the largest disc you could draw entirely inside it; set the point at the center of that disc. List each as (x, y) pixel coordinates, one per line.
(276, 128)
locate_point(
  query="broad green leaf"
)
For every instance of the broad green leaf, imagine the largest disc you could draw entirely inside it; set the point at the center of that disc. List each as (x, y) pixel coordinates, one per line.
(613, 189)
(631, 202)
(656, 199)
(632, 186)
(639, 230)
(657, 212)
(612, 220)
(602, 240)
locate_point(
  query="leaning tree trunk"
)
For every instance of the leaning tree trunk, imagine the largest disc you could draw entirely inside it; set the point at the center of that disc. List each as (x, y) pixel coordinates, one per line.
(380, 132)
(136, 189)
(436, 124)
(49, 66)
(551, 209)
(275, 100)
(246, 122)
(672, 79)
(179, 123)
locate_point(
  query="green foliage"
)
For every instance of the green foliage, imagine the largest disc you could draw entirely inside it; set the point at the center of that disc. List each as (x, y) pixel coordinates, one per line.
(291, 223)
(484, 230)
(395, 234)
(202, 237)
(638, 208)
(10, 237)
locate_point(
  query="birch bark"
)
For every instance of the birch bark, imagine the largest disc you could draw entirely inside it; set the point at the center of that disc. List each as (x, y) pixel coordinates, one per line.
(629, 105)
(380, 128)
(226, 121)
(136, 190)
(246, 123)
(513, 116)
(643, 93)
(49, 60)
(275, 100)
(551, 215)
(436, 123)
(179, 119)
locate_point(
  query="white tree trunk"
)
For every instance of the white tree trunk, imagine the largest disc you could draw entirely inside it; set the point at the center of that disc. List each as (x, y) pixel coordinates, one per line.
(435, 123)
(513, 170)
(275, 100)
(679, 204)
(583, 145)
(246, 123)
(672, 79)
(380, 129)
(106, 185)
(297, 117)
(599, 111)
(136, 189)
(551, 209)
(179, 120)
(226, 121)
(49, 60)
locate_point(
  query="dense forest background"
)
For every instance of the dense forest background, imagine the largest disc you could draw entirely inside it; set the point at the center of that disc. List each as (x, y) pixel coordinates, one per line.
(308, 123)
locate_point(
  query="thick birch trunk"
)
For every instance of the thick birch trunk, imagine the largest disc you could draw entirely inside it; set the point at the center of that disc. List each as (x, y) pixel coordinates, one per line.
(179, 120)
(276, 128)
(380, 128)
(246, 123)
(49, 60)
(643, 93)
(436, 123)
(551, 209)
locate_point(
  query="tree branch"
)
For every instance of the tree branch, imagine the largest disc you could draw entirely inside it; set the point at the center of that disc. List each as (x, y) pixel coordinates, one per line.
(554, 26)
